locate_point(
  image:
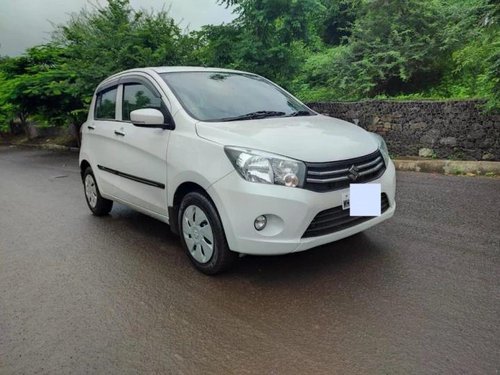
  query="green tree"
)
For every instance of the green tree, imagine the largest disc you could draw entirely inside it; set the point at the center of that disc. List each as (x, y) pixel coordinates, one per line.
(267, 37)
(337, 20)
(396, 46)
(105, 40)
(38, 83)
(55, 82)
(474, 36)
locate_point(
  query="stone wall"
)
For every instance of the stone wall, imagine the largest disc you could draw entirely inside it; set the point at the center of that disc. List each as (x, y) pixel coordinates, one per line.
(35, 131)
(441, 129)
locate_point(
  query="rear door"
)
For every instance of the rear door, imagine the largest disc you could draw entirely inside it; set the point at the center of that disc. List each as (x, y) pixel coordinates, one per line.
(100, 136)
(140, 160)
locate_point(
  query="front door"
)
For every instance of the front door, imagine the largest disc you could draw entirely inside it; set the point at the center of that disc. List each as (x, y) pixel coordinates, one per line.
(141, 163)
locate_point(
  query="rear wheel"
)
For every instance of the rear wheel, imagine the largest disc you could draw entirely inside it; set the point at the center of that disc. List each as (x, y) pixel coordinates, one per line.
(202, 235)
(98, 205)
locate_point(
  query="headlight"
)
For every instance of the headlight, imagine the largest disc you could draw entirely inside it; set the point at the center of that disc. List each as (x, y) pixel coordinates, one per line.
(258, 166)
(382, 146)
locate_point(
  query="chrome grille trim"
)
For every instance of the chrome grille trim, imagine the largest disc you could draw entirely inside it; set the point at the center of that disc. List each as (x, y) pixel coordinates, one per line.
(330, 176)
(363, 173)
(369, 164)
(316, 181)
(313, 173)
(374, 169)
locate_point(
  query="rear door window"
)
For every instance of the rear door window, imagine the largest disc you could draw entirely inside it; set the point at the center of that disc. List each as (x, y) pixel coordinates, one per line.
(105, 107)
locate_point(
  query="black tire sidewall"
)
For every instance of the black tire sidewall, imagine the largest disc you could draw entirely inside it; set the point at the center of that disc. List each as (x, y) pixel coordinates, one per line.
(103, 206)
(222, 257)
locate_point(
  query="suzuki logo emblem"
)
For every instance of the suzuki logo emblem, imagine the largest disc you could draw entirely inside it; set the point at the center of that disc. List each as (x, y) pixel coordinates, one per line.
(353, 173)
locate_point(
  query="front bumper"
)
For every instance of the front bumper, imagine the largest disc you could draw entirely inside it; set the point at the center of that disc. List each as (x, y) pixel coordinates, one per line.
(289, 211)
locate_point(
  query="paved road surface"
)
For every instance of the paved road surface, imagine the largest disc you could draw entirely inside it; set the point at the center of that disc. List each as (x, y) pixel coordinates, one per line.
(80, 294)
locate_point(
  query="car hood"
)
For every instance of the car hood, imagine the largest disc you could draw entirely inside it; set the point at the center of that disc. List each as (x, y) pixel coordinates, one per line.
(313, 138)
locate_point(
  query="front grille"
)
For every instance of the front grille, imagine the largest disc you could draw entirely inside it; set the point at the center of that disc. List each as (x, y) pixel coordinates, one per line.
(336, 175)
(335, 219)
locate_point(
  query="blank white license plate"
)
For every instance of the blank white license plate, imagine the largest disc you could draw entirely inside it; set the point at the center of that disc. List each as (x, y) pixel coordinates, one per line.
(364, 199)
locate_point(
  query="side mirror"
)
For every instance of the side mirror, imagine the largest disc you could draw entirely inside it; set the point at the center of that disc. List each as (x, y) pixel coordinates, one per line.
(147, 117)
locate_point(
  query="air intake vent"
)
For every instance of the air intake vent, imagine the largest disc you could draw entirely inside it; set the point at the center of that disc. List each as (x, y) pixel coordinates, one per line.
(335, 219)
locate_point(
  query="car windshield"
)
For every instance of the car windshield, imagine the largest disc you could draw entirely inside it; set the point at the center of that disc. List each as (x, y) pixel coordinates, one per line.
(221, 96)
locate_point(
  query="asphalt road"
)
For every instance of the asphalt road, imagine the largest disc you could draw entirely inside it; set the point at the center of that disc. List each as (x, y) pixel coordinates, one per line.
(79, 294)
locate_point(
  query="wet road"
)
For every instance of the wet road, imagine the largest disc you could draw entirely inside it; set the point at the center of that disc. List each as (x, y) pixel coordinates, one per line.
(79, 294)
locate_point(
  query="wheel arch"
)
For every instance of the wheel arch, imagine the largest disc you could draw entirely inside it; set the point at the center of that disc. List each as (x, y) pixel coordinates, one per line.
(180, 192)
(84, 164)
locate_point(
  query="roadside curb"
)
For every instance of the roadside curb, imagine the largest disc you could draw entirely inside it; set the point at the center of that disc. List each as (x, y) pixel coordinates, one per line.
(453, 167)
(46, 146)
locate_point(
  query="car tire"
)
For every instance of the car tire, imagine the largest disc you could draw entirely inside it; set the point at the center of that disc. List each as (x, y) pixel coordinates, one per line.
(98, 205)
(202, 235)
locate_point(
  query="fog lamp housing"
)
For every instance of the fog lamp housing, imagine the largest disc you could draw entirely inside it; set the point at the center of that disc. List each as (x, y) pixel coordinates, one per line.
(260, 222)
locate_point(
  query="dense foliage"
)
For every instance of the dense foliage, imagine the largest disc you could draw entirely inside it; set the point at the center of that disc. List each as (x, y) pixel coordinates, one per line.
(318, 49)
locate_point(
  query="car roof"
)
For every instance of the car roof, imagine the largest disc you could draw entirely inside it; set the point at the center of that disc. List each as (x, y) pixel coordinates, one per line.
(169, 69)
(172, 69)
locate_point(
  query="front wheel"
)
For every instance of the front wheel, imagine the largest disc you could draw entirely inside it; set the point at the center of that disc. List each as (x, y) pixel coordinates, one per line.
(98, 205)
(202, 235)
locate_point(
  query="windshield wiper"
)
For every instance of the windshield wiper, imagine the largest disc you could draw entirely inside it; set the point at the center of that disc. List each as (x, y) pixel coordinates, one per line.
(300, 113)
(254, 115)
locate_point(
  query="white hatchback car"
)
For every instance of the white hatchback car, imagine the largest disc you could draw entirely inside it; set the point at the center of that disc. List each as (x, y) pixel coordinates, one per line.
(231, 161)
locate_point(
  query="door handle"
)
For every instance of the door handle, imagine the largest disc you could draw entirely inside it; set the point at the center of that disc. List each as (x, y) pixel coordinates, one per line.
(119, 133)
(90, 127)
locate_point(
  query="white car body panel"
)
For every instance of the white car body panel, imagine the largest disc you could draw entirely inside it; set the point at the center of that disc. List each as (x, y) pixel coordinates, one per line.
(311, 139)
